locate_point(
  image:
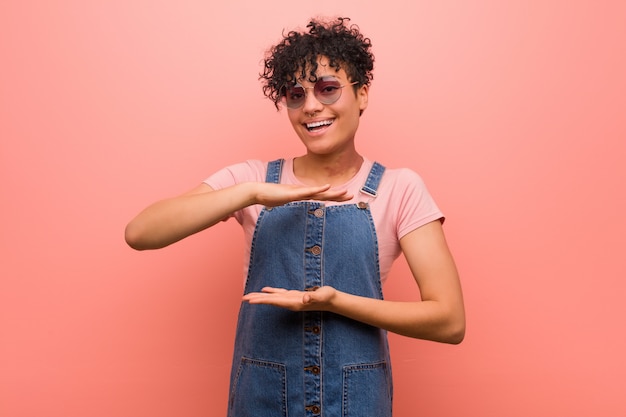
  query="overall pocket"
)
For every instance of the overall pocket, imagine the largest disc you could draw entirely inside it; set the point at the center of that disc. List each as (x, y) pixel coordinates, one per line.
(259, 390)
(367, 390)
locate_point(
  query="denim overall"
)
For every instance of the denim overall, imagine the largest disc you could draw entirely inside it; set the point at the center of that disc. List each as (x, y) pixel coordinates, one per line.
(297, 364)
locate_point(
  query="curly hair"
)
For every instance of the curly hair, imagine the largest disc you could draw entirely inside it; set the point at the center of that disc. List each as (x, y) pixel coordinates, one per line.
(340, 42)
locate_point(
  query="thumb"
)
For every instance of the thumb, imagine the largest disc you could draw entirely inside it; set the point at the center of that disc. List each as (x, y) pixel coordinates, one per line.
(307, 299)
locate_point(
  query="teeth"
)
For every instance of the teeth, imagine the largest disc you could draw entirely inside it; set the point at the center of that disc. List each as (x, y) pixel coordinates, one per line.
(318, 124)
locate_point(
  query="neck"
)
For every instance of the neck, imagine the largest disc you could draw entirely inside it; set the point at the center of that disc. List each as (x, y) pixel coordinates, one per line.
(327, 169)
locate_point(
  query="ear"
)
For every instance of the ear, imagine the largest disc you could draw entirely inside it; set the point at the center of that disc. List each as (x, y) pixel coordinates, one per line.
(362, 95)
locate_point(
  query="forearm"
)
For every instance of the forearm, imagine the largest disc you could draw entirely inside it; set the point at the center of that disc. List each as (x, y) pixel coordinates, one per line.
(173, 219)
(429, 319)
(170, 220)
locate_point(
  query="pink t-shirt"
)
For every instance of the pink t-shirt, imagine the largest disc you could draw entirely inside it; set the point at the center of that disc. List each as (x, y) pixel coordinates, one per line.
(402, 205)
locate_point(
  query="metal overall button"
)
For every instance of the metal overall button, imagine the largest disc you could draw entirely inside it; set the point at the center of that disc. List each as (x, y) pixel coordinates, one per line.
(315, 250)
(318, 212)
(313, 369)
(313, 329)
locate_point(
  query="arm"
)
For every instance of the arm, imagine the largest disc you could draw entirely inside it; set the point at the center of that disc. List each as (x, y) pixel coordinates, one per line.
(170, 220)
(439, 316)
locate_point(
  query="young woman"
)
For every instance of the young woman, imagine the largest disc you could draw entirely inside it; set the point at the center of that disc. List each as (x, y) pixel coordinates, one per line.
(322, 231)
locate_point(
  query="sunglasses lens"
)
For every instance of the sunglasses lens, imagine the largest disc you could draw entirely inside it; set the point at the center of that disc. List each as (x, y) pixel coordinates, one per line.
(294, 96)
(327, 90)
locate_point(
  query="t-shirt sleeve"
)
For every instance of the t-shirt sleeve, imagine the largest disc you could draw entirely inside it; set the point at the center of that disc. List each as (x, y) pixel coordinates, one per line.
(251, 170)
(417, 206)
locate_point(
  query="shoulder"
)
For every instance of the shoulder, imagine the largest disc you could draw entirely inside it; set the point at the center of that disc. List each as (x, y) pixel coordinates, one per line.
(402, 179)
(403, 191)
(251, 168)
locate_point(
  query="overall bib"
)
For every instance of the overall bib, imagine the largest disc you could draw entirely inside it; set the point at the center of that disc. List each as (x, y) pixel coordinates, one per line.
(297, 364)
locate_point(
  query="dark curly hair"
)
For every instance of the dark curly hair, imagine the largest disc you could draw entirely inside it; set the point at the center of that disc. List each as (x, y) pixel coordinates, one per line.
(338, 40)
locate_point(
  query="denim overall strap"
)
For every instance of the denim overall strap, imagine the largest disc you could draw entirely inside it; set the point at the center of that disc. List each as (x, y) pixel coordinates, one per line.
(308, 364)
(274, 170)
(373, 179)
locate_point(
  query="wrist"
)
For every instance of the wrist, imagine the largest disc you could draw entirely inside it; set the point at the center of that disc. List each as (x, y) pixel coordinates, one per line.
(333, 299)
(249, 193)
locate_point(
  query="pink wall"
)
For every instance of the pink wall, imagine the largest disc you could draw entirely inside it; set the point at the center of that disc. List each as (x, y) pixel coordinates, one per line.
(513, 112)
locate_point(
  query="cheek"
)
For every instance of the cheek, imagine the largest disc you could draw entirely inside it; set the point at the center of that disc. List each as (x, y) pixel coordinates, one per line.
(352, 112)
(354, 122)
(292, 115)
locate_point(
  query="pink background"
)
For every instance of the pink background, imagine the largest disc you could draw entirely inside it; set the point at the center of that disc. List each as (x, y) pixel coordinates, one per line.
(513, 113)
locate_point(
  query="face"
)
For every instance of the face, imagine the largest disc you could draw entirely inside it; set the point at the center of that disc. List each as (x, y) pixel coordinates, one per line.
(328, 128)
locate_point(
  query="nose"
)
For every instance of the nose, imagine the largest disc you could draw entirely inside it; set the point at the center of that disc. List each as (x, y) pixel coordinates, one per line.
(311, 103)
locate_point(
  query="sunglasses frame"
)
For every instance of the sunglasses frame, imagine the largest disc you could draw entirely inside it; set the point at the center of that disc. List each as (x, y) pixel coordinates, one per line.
(316, 92)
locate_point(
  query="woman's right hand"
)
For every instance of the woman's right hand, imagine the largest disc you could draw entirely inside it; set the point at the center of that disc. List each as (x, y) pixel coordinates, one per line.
(272, 195)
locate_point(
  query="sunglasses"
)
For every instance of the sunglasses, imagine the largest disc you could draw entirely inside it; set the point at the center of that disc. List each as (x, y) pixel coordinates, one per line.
(327, 90)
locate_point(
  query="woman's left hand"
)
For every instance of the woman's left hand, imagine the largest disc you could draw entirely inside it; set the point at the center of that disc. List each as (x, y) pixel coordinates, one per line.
(317, 300)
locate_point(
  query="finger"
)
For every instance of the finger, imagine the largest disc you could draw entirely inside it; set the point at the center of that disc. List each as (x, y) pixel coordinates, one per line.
(344, 196)
(271, 290)
(336, 195)
(319, 188)
(251, 296)
(306, 190)
(259, 298)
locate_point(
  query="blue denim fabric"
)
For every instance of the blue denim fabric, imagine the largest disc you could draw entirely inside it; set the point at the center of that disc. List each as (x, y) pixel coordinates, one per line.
(311, 363)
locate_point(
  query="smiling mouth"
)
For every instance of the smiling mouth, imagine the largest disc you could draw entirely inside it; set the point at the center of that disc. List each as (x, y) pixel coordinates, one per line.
(311, 127)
